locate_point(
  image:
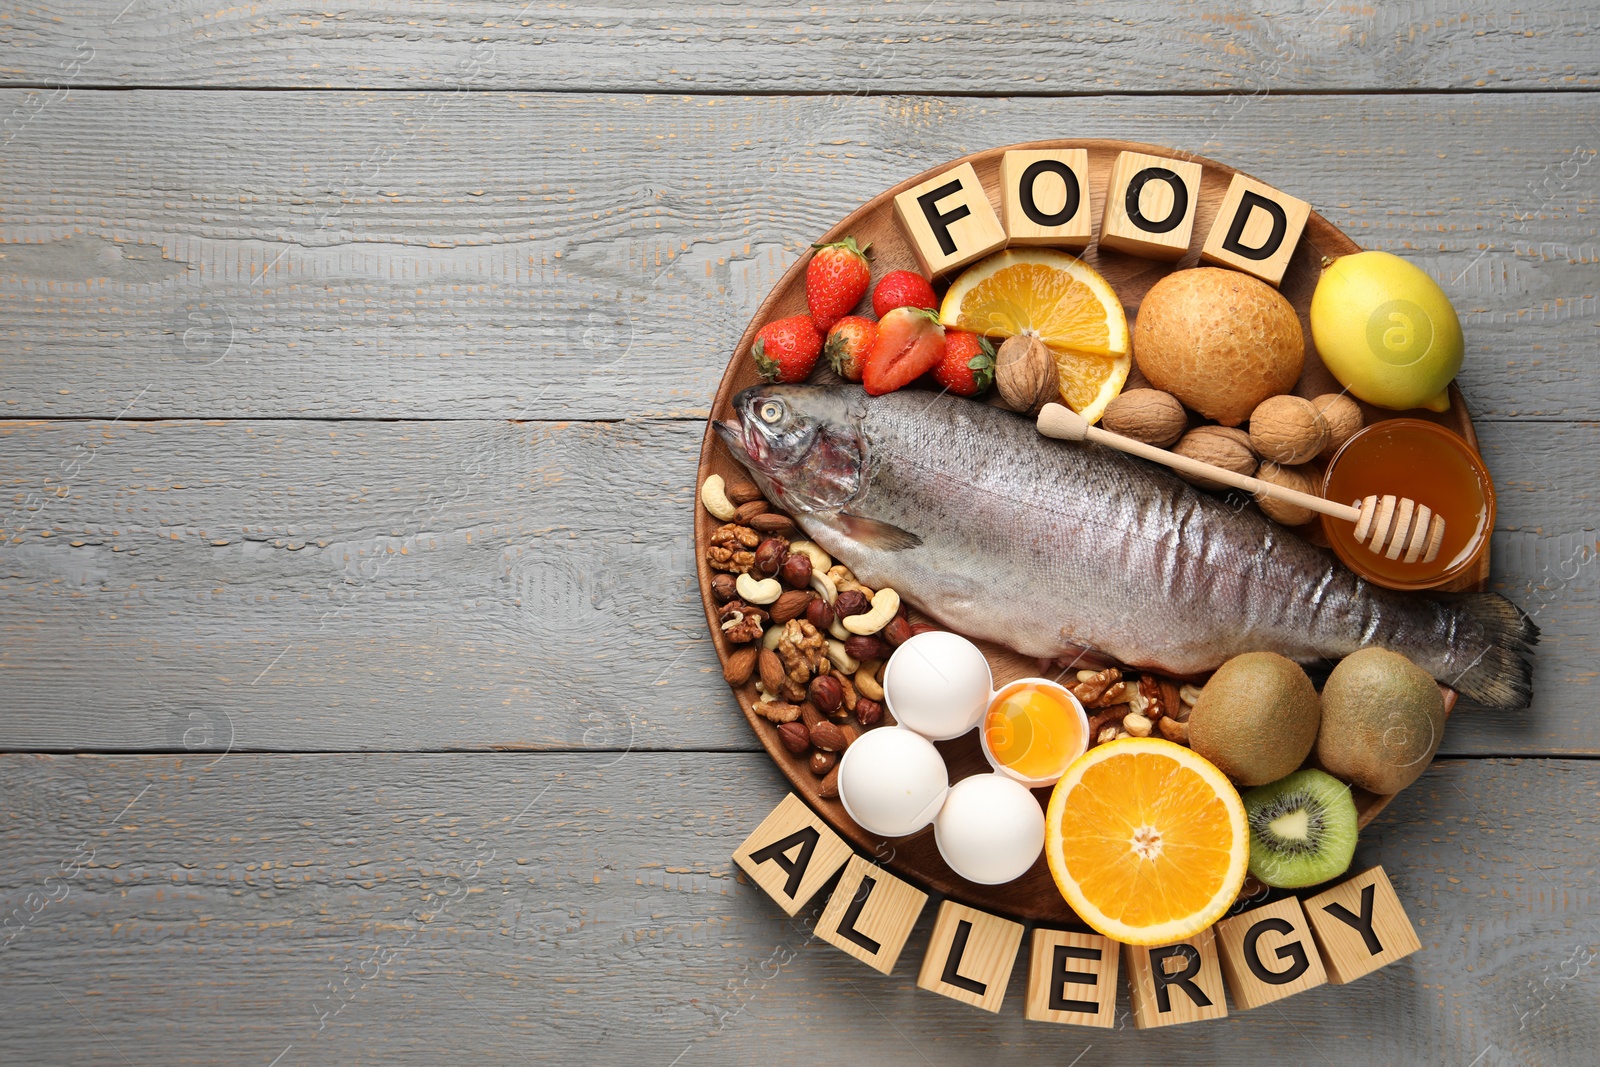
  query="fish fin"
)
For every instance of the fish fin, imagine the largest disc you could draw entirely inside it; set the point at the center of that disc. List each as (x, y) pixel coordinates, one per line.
(1501, 677)
(875, 533)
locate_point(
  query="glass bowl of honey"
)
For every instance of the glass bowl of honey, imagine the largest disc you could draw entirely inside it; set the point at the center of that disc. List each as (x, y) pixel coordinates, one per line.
(1033, 730)
(1429, 464)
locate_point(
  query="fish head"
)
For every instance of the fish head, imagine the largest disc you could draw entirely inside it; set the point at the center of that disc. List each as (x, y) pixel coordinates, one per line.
(803, 444)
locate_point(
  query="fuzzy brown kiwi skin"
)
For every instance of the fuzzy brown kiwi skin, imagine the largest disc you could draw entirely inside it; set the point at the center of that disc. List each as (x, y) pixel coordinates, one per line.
(1382, 721)
(1257, 718)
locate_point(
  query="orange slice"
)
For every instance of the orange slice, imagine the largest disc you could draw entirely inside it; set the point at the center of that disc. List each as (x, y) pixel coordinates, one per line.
(1147, 841)
(1061, 300)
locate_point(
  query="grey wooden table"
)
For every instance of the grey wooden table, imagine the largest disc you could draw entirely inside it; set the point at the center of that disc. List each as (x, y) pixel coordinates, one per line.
(354, 689)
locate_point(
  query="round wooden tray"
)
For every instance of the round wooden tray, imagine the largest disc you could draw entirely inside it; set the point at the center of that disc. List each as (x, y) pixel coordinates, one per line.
(1034, 896)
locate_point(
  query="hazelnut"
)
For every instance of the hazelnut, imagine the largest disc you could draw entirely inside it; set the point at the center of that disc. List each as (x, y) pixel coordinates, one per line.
(1288, 429)
(865, 647)
(869, 712)
(898, 632)
(819, 613)
(1343, 416)
(796, 570)
(769, 555)
(822, 762)
(1290, 478)
(826, 693)
(1147, 415)
(795, 737)
(723, 587)
(851, 602)
(923, 628)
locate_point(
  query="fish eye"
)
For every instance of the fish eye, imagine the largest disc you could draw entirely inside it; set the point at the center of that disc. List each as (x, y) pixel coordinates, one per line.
(770, 410)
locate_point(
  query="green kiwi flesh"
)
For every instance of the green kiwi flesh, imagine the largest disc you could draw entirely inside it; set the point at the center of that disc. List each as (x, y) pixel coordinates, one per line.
(1302, 829)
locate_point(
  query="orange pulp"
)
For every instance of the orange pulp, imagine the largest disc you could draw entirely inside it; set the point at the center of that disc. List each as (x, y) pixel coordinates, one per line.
(1033, 730)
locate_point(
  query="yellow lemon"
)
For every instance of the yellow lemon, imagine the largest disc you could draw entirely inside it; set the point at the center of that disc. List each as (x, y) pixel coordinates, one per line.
(1386, 331)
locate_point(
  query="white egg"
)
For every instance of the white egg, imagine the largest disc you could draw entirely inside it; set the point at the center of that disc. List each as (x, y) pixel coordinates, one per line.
(892, 781)
(938, 684)
(990, 830)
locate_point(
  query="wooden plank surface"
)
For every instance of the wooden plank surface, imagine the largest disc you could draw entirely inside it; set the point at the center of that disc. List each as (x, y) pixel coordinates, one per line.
(568, 908)
(489, 255)
(935, 47)
(299, 584)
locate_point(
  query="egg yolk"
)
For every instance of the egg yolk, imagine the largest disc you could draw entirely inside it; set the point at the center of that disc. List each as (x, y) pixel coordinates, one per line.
(1033, 730)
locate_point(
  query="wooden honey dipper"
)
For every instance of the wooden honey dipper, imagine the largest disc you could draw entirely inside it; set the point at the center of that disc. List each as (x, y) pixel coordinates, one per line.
(1387, 525)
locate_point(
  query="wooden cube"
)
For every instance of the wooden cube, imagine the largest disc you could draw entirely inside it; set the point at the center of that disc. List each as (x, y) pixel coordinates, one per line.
(1268, 954)
(1150, 206)
(949, 220)
(1072, 978)
(1176, 983)
(870, 914)
(970, 956)
(1360, 926)
(1256, 230)
(1044, 197)
(792, 854)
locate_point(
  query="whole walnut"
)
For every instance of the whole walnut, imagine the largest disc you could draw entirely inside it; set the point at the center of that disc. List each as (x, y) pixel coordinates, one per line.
(804, 652)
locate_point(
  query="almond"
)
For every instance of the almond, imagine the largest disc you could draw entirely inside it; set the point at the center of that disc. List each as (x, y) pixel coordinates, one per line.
(742, 492)
(772, 673)
(795, 737)
(828, 788)
(865, 647)
(773, 522)
(822, 762)
(740, 665)
(791, 605)
(749, 510)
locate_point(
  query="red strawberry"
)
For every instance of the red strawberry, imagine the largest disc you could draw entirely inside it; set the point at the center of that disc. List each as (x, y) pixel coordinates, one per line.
(848, 344)
(968, 364)
(902, 289)
(836, 278)
(910, 343)
(786, 350)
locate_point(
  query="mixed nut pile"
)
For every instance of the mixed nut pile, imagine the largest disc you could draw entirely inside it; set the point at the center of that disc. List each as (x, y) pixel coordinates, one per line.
(813, 636)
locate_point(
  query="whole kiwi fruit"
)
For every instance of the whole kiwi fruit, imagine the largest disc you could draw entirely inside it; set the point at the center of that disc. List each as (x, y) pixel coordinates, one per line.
(1382, 720)
(1256, 718)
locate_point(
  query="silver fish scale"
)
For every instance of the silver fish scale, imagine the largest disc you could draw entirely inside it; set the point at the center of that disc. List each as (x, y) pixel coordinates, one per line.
(1044, 546)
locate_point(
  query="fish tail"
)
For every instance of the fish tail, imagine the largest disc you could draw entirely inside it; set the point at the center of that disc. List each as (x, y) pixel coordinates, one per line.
(1498, 672)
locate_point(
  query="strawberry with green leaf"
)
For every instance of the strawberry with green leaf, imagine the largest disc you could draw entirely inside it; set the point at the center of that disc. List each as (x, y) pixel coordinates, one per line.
(786, 350)
(968, 365)
(848, 344)
(836, 279)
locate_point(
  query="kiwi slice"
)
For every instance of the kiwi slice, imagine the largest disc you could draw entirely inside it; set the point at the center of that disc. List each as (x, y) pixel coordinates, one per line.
(1302, 829)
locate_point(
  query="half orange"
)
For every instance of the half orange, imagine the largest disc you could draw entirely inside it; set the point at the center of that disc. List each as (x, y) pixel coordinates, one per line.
(1059, 299)
(1147, 841)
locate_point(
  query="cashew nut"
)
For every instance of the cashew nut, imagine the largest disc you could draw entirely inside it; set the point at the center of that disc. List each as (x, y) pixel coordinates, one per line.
(714, 495)
(866, 680)
(1137, 724)
(762, 592)
(822, 583)
(836, 628)
(841, 659)
(820, 561)
(770, 639)
(885, 606)
(1189, 694)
